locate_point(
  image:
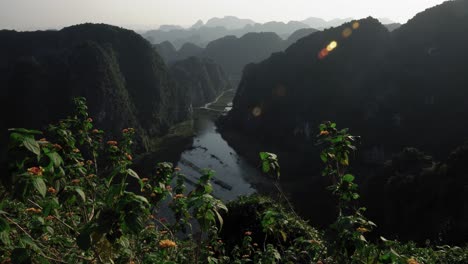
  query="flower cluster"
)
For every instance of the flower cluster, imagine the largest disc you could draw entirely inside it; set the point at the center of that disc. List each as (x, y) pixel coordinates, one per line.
(166, 243)
(36, 171)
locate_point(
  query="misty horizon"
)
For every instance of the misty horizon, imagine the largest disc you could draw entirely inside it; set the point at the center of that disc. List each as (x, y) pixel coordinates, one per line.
(145, 15)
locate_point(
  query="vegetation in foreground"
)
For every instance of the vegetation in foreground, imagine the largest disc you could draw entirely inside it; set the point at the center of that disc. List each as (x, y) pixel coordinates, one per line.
(72, 197)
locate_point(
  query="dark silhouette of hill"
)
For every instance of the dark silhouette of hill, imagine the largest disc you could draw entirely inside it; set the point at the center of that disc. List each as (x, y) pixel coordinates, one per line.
(395, 89)
(234, 53)
(171, 55)
(189, 50)
(203, 79)
(167, 51)
(124, 80)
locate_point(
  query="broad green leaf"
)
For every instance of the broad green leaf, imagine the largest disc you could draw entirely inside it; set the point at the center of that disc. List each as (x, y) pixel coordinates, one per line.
(323, 156)
(348, 178)
(55, 158)
(80, 192)
(265, 167)
(31, 144)
(263, 155)
(40, 185)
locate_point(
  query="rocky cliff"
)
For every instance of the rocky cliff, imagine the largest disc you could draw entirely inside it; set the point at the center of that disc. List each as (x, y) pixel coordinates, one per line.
(203, 79)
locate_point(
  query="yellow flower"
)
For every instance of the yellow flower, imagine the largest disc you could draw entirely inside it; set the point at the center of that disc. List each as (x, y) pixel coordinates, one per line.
(412, 261)
(166, 243)
(324, 133)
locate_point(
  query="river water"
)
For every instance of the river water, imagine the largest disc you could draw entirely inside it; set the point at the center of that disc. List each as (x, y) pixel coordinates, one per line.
(233, 175)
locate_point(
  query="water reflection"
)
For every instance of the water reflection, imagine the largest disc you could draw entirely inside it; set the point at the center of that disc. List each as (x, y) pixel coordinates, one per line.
(233, 175)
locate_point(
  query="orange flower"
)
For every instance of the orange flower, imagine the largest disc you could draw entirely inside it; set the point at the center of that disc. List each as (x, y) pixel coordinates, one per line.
(412, 261)
(144, 179)
(76, 150)
(129, 157)
(128, 130)
(33, 210)
(52, 190)
(95, 131)
(248, 233)
(75, 181)
(50, 218)
(324, 133)
(89, 162)
(314, 242)
(362, 230)
(166, 243)
(43, 140)
(125, 130)
(89, 119)
(112, 142)
(180, 195)
(36, 171)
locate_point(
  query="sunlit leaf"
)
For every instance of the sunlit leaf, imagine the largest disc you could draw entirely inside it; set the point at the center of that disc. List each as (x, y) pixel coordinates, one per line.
(39, 185)
(32, 145)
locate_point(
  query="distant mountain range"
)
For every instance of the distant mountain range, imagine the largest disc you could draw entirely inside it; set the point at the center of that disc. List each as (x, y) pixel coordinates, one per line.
(231, 52)
(203, 33)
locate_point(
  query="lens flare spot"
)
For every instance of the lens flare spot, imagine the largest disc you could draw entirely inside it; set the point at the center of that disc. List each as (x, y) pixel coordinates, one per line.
(347, 32)
(322, 54)
(257, 111)
(356, 25)
(332, 46)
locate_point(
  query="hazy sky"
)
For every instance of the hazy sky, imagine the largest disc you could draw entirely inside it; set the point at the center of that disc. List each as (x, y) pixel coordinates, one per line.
(41, 14)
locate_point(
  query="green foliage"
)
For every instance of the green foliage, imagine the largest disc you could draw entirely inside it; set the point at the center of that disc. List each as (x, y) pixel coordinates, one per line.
(71, 201)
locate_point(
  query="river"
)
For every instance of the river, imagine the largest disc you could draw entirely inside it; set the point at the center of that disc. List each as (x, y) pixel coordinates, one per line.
(234, 176)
